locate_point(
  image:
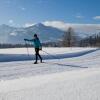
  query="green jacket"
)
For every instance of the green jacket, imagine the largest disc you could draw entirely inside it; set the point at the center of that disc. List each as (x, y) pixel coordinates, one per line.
(36, 42)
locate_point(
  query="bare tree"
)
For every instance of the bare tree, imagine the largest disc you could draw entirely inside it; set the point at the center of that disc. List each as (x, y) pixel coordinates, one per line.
(69, 38)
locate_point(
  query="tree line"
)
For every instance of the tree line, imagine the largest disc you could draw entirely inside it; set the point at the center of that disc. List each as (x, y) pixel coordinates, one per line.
(14, 45)
(91, 41)
(69, 39)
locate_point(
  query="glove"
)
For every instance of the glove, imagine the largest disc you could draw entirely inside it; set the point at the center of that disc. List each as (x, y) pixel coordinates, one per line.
(40, 48)
(25, 39)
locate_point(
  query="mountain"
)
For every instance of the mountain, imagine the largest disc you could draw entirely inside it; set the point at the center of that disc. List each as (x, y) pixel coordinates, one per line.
(46, 33)
(5, 30)
(14, 35)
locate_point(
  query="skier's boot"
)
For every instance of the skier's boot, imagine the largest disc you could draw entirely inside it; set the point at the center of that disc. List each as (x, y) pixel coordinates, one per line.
(35, 62)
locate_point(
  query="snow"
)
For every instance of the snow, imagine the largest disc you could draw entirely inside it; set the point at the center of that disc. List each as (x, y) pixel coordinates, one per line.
(49, 50)
(21, 54)
(74, 76)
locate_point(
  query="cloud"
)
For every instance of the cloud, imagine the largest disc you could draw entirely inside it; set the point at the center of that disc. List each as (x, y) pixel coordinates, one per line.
(29, 24)
(76, 26)
(96, 17)
(13, 34)
(56, 24)
(23, 9)
(79, 16)
(11, 21)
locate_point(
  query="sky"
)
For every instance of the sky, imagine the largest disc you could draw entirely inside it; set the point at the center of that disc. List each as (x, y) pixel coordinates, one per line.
(25, 12)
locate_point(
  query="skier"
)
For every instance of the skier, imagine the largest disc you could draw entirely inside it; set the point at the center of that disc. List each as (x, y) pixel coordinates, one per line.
(37, 46)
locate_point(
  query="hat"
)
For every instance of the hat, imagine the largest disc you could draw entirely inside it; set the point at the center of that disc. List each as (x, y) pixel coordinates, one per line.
(35, 35)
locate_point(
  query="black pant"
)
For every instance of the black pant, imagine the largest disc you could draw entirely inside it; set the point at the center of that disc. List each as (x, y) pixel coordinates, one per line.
(37, 54)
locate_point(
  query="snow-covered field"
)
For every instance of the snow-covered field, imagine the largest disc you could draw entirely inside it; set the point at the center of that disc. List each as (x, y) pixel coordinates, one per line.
(66, 74)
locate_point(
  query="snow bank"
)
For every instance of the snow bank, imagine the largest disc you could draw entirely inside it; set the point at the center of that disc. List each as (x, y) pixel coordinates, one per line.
(20, 54)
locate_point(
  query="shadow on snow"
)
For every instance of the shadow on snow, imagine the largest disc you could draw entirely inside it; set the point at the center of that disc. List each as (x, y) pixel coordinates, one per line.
(24, 57)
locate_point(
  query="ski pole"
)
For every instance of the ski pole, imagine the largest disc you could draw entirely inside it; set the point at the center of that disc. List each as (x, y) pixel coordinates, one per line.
(27, 48)
(50, 54)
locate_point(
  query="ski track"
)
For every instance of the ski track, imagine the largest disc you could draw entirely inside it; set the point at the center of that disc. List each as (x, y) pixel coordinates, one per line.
(10, 70)
(70, 78)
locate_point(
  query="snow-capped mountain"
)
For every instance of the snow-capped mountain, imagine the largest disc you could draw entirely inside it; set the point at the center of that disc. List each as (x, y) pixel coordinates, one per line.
(16, 35)
(46, 33)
